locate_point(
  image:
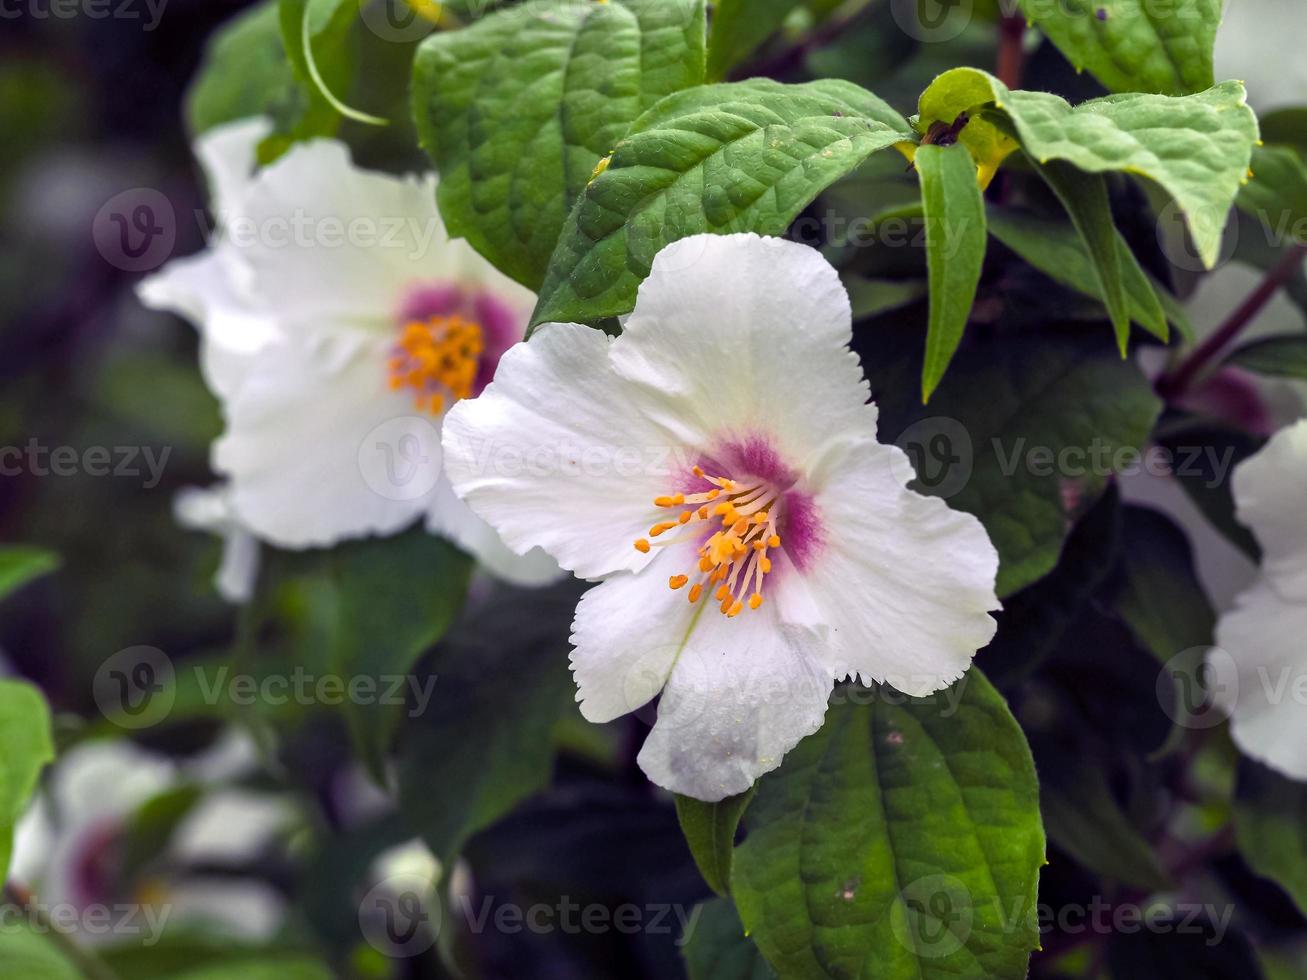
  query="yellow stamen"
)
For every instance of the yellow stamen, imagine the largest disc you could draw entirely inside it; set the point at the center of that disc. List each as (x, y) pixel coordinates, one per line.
(678, 581)
(755, 600)
(439, 359)
(696, 590)
(642, 546)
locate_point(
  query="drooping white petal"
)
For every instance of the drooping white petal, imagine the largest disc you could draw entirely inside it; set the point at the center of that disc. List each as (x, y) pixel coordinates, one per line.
(210, 510)
(228, 154)
(327, 240)
(742, 693)
(451, 518)
(904, 583)
(1258, 675)
(561, 453)
(742, 335)
(1270, 490)
(305, 445)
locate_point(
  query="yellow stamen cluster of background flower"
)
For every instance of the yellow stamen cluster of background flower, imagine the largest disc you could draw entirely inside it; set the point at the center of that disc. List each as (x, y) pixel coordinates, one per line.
(438, 358)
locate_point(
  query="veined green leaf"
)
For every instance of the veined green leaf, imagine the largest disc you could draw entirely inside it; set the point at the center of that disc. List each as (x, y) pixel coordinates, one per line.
(1196, 147)
(709, 829)
(718, 949)
(519, 109)
(955, 251)
(1131, 46)
(902, 840)
(745, 156)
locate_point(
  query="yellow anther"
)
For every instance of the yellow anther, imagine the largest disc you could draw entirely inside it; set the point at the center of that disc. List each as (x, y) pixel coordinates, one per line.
(698, 471)
(675, 501)
(755, 600)
(740, 526)
(735, 609)
(678, 581)
(724, 592)
(438, 358)
(774, 541)
(642, 546)
(764, 564)
(705, 564)
(727, 604)
(662, 528)
(696, 590)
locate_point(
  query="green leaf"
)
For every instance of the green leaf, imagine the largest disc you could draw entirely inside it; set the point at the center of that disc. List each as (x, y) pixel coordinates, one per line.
(1270, 821)
(709, 829)
(28, 747)
(739, 27)
(317, 35)
(718, 949)
(394, 598)
(30, 955)
(1024, 433)
(746, 156)
(1280, 357)
(1276, 194)
(503, 683)
(518, 110)
(1056, 250)
(955, 251)
(1131, 46)
(20, 564)
(1085, 198)
(901, 840)
(1196, 147)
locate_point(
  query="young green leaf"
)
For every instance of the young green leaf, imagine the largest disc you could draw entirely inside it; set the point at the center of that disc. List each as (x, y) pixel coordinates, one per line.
(745, 156)
(1278, 357)
(20, 564)
(739, 27)
(1058, 251)
(902, 840)
(709, 829)
(1196, 147)
(1085, 198)
(955, 251)
(28, 747)
(1134, 47)
(518, 110)
(1276, 194)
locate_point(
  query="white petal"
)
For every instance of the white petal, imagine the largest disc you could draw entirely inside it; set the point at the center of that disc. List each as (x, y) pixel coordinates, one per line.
(749, 335)
(628, 633)
(212, 290)
(329, 240)
(559, 453)
(309, 437)
(210, 510)
(743, 693)
(449, 517)
(231, 825)
(1258, 675)
(904, 583)
(228, 154)
(1269, 492)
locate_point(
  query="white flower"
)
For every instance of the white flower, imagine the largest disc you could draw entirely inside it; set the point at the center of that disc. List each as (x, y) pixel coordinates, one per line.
(338, 323)
(724, 446)
(1261, 678)
(210, 510)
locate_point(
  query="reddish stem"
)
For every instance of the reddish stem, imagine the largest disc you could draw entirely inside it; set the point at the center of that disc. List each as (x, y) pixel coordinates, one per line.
(1011, 53)
(1179, 381)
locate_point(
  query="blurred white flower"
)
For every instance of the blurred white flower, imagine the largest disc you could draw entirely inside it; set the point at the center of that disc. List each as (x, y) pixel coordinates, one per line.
(1261, 681)
(724, 446)
(210, 510)
(338, 323)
